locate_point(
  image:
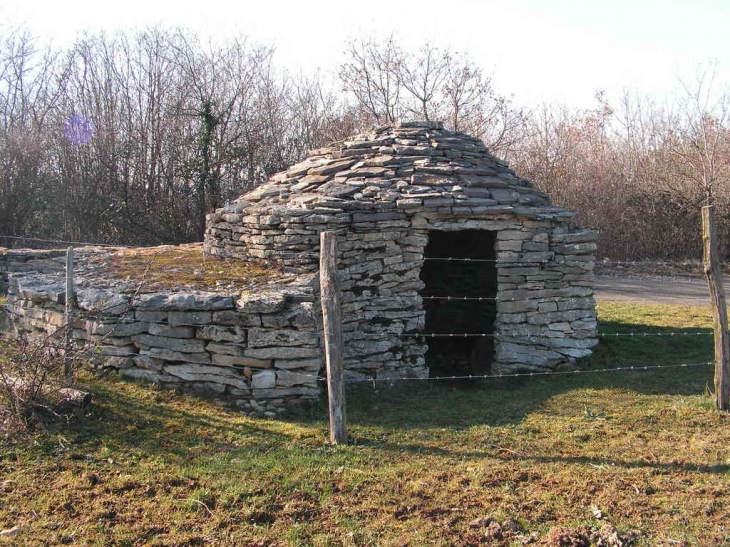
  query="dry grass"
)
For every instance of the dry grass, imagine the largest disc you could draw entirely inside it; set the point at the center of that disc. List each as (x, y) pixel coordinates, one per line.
(185, 266)
(644, 451)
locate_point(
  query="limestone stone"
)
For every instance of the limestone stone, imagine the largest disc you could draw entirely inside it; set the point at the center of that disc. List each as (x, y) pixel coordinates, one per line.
(261, 303)
(240, 361)
(147, 362)
(260, 338)
(290, 379)
(219, 333)
(98, 300)
(235, 318)
(224, 348)
(190, 345)
(183, 302)
(309, 365)
(117, 329)
(156, 329)
(180, 318)
(263, 379)
(150, 316)
(115, 351)
(282, 353)
(298, 315)
(201, 373)
(171, 355)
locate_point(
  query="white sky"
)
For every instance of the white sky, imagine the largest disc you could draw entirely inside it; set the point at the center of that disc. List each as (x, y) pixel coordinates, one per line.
(557, 51)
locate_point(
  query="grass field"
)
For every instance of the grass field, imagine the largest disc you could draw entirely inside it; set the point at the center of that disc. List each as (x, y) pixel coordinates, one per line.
(644, 451)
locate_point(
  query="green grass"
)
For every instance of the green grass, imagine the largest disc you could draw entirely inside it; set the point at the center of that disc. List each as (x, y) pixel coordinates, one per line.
(147, 467)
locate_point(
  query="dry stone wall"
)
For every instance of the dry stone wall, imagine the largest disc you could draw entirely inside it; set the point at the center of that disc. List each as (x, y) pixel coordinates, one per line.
(259, 351)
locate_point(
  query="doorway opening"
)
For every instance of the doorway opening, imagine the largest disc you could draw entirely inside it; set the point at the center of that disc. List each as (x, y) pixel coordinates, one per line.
(471, 279)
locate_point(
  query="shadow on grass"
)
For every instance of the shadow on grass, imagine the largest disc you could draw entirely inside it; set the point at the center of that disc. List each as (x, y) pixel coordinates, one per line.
(502, 454)
(125, 415)
(502, 402)
(128, 415)
(461, 404)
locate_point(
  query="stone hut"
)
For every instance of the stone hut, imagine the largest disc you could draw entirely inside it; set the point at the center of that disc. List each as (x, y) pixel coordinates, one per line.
(450, 263)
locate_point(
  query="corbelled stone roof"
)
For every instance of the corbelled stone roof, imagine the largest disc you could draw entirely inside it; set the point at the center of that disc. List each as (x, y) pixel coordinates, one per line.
(403, 167)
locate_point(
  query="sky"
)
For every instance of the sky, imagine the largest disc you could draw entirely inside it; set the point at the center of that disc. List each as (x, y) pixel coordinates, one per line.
(551, 51)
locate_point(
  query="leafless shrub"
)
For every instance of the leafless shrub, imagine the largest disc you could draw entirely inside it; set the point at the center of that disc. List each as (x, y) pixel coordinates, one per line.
(33, 390)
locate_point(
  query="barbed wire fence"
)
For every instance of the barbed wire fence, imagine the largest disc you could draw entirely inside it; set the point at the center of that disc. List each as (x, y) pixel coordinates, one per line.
(447, 298)
(448, 335)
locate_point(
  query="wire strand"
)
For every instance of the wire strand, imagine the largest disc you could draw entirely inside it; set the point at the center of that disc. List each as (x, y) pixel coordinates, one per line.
(85, 243)
(532, 374)
(521, 335)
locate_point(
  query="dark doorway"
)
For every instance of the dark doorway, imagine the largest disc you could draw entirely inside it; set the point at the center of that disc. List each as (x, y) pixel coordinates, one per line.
(473, 278)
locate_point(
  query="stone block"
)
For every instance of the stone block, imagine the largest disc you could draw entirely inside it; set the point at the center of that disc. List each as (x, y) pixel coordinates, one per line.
(290, 379)
(148, 363)
(309, 365)
(236, 361)
(264, 379)
(260, 338)
(529, 355)
(559, 316)
(572, 343)
(97, 300)
(151, 316)
(509, 245)
(547, 306)
(235, 318)
(283, 353)
(157, 329)
(519, 306)
(117, 329)
(261, 302)
(180, 318)
(218, 333)
(201, 373)
(224, 349)
(115, 351)
(191, 301)
(186, 345)
(171, 355)
(299, 315)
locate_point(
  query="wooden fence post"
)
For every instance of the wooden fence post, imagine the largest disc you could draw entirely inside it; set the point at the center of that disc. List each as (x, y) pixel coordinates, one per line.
(713, 271)
(69, 314)
(332, 326)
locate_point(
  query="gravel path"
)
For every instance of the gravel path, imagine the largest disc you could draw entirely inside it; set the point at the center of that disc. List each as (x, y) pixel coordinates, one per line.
(688, 291)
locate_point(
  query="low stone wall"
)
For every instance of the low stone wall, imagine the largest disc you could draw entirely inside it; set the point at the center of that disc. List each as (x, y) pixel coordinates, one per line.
(546, 317)
(259, 350)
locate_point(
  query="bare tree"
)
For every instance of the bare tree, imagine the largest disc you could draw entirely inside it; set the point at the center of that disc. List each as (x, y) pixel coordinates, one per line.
(372, 75)
(423, 75)
(30, 79)
(697, 137)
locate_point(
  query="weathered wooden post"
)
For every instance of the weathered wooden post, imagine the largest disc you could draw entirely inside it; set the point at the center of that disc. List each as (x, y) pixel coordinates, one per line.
(332, 326)
(69, 315)
(713, 271)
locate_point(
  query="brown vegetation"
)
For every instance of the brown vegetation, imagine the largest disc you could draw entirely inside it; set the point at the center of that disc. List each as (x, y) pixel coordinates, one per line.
(132, 138)
(185, 266)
